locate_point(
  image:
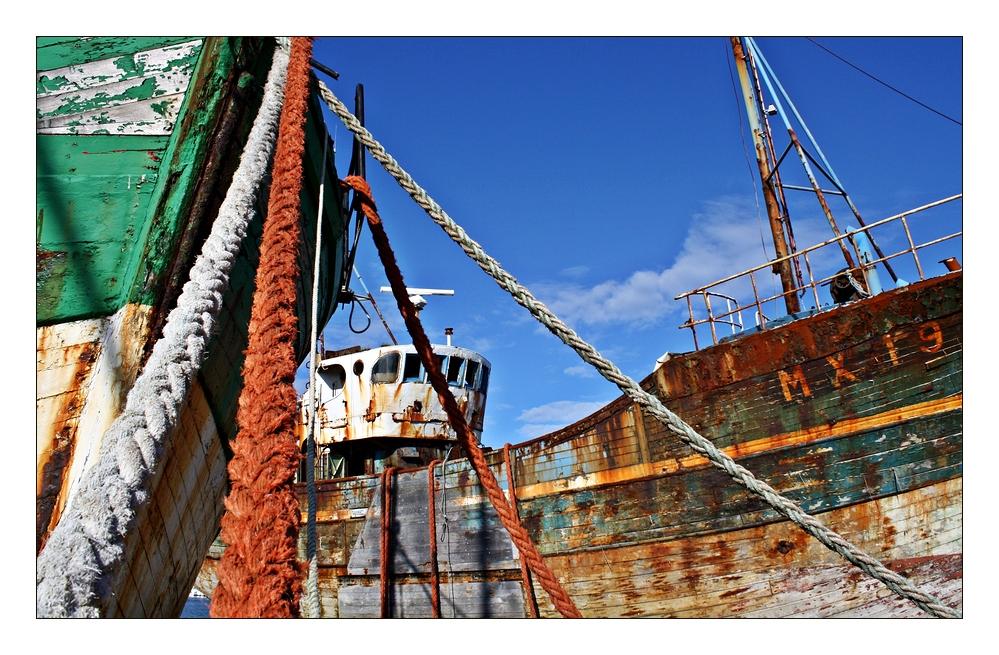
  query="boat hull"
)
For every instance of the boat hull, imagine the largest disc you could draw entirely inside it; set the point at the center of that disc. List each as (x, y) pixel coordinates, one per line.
(855, 414)
(125, 201)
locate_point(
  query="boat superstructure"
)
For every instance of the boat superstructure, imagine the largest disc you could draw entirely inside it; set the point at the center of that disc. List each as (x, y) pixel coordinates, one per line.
(376, 408)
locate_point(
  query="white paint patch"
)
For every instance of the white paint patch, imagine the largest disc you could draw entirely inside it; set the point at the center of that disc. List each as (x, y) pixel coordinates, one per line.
(104, 87)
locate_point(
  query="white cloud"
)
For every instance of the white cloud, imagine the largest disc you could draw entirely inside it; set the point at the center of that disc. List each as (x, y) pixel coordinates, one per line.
(532, 430)
(555, 416)
(575, 271)
(561, 412)
(723, 240)
(582, 371)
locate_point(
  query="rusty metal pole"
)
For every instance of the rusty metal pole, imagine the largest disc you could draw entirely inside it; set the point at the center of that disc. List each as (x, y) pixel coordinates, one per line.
(783, 269)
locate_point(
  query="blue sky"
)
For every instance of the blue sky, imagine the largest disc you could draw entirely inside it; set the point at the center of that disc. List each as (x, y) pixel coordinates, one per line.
(609, 175)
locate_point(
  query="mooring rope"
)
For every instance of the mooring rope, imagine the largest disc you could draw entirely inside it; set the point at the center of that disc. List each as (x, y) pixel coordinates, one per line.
(563, 603)
(525, 574)
(77, 569)
(385, 542)
(435, 575)
(629, 387)
(259, 575)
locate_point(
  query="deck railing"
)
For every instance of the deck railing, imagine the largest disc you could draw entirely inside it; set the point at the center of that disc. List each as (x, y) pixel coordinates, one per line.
(866, 269)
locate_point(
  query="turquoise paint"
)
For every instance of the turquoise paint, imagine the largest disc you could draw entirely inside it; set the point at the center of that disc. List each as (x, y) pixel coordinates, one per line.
(850, 470)
(90, 199)
(78, 105)
(71, 51)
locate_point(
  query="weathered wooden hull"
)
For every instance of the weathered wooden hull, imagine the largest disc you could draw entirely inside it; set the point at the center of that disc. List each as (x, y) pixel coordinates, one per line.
(855, 413)
(138, 139)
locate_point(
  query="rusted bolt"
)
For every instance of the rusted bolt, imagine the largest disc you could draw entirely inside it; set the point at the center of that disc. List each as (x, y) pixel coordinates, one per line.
(784, 547)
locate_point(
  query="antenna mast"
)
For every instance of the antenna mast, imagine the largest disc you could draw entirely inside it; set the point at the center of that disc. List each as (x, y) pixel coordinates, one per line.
(752, 102)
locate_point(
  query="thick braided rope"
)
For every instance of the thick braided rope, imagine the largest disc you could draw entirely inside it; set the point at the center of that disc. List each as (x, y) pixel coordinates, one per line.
(525, 574)
(563, 603)
(76, 570)
(435, 575)
(259, 575)
(629, 387)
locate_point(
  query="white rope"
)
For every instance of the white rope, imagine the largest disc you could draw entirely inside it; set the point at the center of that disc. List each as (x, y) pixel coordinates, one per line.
(312, 580)
(629, 387)
(76, 570)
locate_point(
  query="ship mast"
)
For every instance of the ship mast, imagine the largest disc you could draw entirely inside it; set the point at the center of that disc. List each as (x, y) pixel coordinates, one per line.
(776, 219)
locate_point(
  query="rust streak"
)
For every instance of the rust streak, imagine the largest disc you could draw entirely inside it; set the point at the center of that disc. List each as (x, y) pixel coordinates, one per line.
(668, 466)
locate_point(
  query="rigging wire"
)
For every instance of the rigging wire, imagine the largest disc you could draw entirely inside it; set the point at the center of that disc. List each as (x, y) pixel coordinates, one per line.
(882, 82)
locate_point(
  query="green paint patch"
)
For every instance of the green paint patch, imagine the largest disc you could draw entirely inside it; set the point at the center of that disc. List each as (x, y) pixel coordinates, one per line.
(50, 85)
(63, 51)
(161, 107)
(128, 64)
(92, 195)
(78, 104)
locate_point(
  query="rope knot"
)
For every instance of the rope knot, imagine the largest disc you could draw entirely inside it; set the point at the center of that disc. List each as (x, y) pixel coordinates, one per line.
(363, 192)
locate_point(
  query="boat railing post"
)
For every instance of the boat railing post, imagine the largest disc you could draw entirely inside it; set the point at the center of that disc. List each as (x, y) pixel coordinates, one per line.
(693, 326)
(762, 320)
(711, 318)
(912, 245)
(811, 283)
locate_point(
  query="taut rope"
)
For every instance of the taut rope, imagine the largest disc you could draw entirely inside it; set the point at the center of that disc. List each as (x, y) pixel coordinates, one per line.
(629, 387)
(563, 603)
(435, 575)
(259, 575)
(385, 542)
(77, 568)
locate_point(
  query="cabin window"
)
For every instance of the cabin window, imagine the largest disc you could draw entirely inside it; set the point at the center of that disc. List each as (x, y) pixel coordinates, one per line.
(441, 360)
(334, 376)
(454, 368)
(412, 371)
(386, 369)
(471, 370)
(484, 379)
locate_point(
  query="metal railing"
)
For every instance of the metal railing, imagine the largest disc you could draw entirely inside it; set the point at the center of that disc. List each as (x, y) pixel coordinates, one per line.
(732, 315)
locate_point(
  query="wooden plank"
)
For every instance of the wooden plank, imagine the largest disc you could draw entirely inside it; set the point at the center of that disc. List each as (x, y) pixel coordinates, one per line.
(499, 599)
(57, 52)
(473, 539)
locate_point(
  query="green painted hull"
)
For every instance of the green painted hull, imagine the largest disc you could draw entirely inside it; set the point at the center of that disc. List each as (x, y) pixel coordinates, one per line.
(137, 141)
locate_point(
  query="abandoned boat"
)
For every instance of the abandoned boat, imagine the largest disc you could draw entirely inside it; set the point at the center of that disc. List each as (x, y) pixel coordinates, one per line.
(851, 407)
(137, 142)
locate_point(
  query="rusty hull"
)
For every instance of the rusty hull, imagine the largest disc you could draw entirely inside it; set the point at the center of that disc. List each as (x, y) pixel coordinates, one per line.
(856, 414)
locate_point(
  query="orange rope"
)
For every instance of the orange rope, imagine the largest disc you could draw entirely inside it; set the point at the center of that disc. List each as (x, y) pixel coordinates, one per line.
(385, 545)
(259, 575)
(435, 581)
(563, 603)
(525, 573)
